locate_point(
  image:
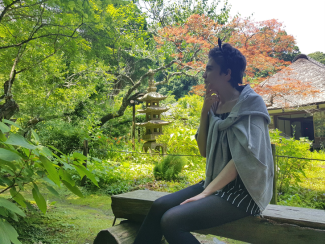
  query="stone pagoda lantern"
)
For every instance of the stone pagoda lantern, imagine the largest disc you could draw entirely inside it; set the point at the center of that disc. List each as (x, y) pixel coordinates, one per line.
(153, 122)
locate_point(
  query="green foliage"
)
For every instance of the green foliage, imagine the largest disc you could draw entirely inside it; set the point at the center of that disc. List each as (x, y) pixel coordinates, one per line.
(169, 168)
(67, 69)
(179, 136)
(62, 135)
(178, 86)
(318, 56)
(291, 171)
(23, 163)
(301, 197)
(170, 12)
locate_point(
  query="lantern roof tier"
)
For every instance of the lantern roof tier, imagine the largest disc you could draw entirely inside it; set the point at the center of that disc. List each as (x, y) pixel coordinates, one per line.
(153, 123)
(152, 96)
(153, 109)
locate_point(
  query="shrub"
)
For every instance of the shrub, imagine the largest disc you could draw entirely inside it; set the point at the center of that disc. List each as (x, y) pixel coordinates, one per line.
(24, 163)
(291, 171)
(169, 168)
(62, 135)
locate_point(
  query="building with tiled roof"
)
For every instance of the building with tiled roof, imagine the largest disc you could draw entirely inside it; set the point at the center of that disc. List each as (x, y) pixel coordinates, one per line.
(296, 114)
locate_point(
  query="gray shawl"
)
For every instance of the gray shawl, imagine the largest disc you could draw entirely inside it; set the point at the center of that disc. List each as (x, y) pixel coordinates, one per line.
(245, 131)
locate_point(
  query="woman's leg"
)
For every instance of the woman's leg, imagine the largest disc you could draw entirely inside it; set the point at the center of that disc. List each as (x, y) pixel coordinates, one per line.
(150, 230)
(205, 213)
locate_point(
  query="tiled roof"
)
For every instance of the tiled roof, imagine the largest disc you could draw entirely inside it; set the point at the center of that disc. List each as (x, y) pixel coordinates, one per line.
(304, 69)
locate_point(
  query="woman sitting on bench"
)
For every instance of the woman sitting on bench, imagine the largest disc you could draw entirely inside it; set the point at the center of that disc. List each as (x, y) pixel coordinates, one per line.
(233, 136)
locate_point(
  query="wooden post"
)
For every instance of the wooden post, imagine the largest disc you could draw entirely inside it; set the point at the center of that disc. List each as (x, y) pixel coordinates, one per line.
(133, 127)
(275, 193)
(139, 134)
(85, 153)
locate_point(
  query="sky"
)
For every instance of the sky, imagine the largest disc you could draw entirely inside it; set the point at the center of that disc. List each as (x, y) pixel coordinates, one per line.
(304, 19)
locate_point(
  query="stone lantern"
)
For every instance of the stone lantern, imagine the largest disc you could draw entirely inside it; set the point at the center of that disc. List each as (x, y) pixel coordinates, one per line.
(154, 124)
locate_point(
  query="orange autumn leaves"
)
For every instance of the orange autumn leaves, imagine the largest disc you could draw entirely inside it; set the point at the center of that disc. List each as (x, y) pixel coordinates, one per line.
(190, 41)
(262, 43)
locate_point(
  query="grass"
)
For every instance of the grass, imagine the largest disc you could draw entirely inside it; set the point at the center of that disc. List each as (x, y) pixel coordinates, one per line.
(69, 219)
(315, 177)
(311, 191)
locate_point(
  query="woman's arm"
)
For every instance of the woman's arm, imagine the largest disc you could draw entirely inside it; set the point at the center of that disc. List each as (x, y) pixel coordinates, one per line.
(228, 174)
(202, 134)
(211, 98)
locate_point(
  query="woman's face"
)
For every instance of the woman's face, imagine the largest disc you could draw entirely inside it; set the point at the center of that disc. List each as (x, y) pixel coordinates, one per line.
(213, 77)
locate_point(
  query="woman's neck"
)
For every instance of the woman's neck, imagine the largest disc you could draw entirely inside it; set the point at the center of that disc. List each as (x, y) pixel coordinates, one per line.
(228, 95)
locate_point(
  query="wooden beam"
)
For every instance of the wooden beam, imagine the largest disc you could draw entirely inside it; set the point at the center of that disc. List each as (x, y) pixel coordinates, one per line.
(126, 231)
(275, 111)
(310, 107)
(134, 205)
(310, 118)
(258, 230)
(274, 199)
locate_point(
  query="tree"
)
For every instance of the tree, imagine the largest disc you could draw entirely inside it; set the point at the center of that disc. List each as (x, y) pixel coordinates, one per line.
(168, 13)
(318, 56)
(34, 32)
(66, 55)
(164, 13)
(189, 42)
(91, 78)
(263, 44)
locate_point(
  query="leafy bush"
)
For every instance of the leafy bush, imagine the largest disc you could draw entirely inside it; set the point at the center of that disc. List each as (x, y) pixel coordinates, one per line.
(169, 168)
(290, 170)
(179, 139)
(23, 163)
(62, 135)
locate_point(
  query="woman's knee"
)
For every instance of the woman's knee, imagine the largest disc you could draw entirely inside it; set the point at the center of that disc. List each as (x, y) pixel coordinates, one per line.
(171, 221)
(166, 222)
(160, 205)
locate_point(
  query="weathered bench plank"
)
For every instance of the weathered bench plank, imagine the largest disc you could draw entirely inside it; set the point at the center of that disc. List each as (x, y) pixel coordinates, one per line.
(280, 224)
(134, 205)
(126, 231)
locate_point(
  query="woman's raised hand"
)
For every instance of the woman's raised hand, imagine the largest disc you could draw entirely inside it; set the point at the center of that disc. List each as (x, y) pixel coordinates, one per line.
(210, 98)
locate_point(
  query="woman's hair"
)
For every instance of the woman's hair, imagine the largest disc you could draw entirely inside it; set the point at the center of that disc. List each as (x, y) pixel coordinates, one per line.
(229, 57)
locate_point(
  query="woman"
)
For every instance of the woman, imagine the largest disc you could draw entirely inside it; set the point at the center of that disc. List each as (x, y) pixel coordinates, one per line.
(233, 136)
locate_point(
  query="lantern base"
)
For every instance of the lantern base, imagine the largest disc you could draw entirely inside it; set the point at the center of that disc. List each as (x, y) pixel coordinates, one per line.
(154, 147)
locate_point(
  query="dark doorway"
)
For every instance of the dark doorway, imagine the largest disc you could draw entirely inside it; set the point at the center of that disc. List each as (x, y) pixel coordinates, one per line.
(307, 129)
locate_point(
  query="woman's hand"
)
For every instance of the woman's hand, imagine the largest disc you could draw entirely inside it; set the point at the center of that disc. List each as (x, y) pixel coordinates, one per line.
(192, 199)
(210, 98)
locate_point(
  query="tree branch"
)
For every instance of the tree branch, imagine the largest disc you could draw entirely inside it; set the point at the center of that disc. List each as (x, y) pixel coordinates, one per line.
(34, 38)
(55, 50)
(126, 97)
(127, 77)
(7, 8)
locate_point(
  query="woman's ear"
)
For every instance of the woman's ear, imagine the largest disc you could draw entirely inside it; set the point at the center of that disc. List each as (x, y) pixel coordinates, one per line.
(229, 73)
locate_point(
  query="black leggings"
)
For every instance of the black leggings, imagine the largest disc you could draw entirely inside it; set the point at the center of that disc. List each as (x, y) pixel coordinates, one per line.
(166, 217)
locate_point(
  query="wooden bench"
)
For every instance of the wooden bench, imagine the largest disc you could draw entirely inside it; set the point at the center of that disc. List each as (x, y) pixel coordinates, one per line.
(279, 224)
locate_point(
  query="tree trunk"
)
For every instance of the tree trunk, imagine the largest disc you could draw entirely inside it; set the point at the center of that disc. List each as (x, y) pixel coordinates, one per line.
(8, 109)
